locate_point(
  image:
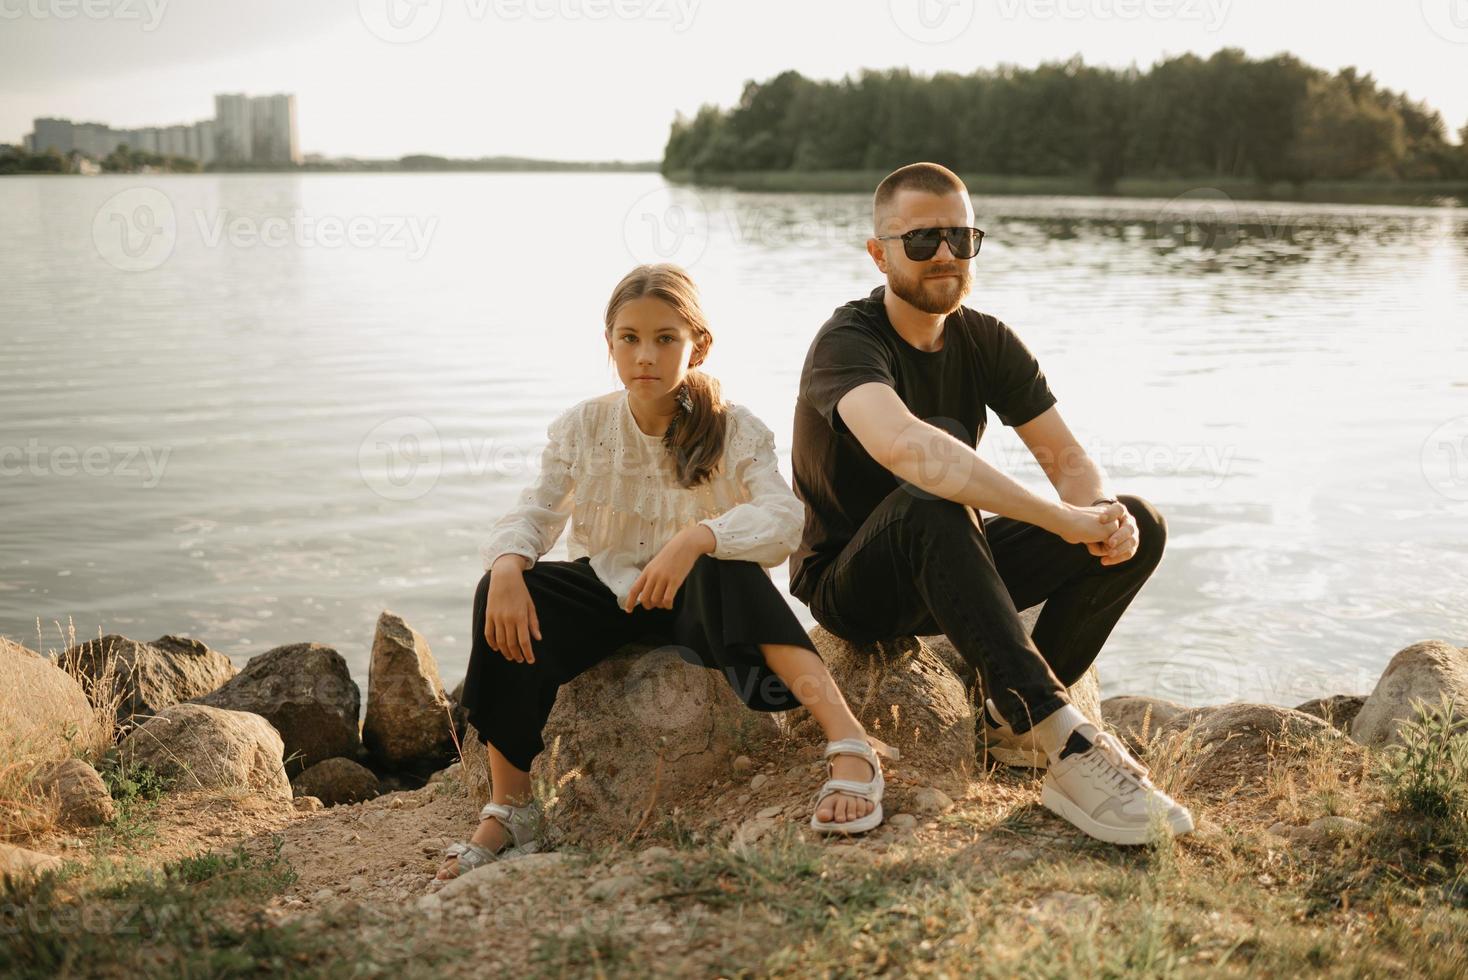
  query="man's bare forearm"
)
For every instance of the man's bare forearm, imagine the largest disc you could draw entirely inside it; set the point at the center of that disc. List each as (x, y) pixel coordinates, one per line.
(932, 460)
(1083, 483)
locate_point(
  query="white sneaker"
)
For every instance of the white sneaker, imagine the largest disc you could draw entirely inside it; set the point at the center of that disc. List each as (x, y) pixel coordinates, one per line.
(1099, 787)
(1007, 748)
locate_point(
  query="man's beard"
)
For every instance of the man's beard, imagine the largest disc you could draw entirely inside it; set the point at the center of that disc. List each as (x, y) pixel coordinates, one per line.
(937, 296)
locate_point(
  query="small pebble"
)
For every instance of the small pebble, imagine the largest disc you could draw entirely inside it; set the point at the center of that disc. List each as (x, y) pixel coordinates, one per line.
(759, 780)
(902, 821)
(742, 764)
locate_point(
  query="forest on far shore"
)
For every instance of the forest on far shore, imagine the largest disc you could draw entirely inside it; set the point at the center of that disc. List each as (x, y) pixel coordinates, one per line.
(1271, 119)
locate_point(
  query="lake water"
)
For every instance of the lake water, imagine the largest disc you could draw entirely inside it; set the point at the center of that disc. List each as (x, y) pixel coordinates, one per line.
(262, 409)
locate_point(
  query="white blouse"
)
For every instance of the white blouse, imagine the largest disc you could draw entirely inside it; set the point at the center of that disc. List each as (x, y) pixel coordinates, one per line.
(617, 486)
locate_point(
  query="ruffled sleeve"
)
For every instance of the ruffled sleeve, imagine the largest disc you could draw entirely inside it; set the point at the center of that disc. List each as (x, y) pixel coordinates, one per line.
(539, 516)
(767, 528)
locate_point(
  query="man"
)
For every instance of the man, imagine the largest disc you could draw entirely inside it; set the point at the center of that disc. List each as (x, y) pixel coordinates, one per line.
(892, 404)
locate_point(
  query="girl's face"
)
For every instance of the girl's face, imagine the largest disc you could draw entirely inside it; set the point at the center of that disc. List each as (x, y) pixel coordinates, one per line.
(651, 345)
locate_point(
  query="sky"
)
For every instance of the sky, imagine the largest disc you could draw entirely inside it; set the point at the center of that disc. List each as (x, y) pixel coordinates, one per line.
(603, 79)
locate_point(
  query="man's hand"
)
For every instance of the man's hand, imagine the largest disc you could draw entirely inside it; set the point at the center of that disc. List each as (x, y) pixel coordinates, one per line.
(1123, 542)
(1088, 525)
(663, 576)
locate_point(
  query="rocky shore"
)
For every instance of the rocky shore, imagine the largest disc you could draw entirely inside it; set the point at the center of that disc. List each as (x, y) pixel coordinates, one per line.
(292, 823)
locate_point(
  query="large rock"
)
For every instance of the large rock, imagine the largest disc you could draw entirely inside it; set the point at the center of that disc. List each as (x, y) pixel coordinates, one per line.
(1135, 718)
(636, 734)
(81, 797)
(1338, 709)
(1239, 735)
(1423, 672)
(407, 725)
(196, 746)
(44, 714)
(20, 863)
(337, 781)
(144, 678)
(306, 692)
(905, 695)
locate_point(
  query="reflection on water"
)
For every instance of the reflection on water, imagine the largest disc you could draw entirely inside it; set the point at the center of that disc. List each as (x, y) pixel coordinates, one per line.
(262, 409)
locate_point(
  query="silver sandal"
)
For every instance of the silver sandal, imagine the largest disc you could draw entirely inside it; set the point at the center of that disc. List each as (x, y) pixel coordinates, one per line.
(523, 825)
(870, 790)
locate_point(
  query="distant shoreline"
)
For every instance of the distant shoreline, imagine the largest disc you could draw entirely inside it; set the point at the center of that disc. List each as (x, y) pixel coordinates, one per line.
(1412, 193)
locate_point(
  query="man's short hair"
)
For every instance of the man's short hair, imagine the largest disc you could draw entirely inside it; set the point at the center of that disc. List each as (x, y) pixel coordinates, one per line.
(932, 178)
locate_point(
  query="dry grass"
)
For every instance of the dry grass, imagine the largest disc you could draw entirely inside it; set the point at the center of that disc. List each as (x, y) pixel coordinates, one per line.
(26, 810)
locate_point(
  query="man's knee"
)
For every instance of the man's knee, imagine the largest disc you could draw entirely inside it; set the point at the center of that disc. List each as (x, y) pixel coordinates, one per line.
(1151, 527)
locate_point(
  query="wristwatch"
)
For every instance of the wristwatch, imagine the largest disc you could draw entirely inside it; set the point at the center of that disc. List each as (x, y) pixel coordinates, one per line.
(1105, 500)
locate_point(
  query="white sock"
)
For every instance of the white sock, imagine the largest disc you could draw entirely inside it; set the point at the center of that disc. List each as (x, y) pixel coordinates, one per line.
(1052, 730)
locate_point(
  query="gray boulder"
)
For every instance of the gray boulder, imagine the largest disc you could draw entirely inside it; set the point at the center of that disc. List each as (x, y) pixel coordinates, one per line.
(1420, 673)
(634, 735)
(306, 692)
(144, 678)
(905, 695)
(1338, 709)
(196, 746)
(1134, 718)
(337, 781)
(81, 797)
(408, 720)
(44, 713)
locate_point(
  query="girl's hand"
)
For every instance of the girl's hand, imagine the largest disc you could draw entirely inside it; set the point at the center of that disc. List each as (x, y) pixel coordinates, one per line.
(509, 615)
(663, 576)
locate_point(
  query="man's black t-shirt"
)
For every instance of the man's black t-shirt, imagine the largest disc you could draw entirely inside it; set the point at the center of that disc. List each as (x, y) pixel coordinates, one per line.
(982, 363)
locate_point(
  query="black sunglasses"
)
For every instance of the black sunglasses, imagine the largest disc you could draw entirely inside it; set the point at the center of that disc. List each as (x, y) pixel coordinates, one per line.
(921, 244)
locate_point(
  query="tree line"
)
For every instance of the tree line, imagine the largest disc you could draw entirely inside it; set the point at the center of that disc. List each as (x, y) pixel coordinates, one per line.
(1271, 119)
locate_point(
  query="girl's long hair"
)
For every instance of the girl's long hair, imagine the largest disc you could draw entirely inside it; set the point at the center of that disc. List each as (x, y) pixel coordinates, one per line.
(695, 437)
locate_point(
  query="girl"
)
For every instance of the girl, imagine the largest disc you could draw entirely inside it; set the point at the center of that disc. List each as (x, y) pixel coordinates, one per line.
(675, 503)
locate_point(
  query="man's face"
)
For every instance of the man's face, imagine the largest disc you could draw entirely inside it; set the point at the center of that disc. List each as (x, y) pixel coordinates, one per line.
(938, 285)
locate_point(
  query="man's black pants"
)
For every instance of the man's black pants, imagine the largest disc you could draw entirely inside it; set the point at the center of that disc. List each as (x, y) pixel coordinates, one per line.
(921, 565)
